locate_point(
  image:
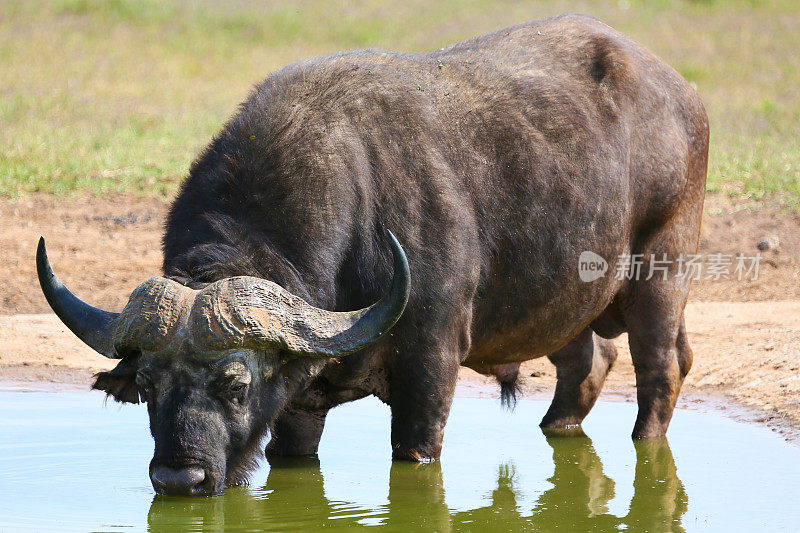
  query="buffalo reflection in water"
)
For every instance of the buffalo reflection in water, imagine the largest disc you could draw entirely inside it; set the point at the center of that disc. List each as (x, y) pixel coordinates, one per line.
(293, 498)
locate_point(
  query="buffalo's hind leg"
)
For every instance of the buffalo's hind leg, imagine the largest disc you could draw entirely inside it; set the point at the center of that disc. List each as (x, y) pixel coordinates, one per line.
(662, 359)
(652, 310)
(581, 369)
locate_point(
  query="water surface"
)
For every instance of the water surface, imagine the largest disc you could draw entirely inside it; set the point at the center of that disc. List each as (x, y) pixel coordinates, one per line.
(69, 463)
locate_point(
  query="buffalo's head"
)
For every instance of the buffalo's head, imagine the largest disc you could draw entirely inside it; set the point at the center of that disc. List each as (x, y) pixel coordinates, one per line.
(216, 365)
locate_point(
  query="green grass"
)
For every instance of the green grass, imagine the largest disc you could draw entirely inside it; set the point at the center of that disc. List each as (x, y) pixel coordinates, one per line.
(118, 96)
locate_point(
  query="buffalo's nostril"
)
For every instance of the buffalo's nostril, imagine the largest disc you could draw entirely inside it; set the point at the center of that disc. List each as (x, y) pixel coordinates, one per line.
(184, 481)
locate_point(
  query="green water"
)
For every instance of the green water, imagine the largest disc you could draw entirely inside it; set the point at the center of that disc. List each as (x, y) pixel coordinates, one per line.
(69, 463)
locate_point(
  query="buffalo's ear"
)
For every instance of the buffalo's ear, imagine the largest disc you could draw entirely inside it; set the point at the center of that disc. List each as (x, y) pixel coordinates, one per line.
(120, 383)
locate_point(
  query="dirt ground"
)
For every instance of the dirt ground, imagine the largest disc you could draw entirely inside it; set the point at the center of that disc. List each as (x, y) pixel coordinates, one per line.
(745, 334)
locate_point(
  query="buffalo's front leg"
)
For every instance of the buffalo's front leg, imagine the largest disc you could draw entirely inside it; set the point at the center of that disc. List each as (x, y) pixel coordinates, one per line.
(296, 432)
(420, 394)
(581, 369)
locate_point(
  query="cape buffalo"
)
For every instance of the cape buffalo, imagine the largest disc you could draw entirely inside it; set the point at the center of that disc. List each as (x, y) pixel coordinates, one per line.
(497, 162)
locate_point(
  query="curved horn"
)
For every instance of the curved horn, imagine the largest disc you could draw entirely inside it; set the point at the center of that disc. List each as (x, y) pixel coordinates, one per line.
(256, 313)
(93, 326)
(379, 318)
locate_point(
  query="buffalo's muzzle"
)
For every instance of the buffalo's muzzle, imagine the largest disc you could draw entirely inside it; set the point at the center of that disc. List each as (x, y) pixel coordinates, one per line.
(181, 482)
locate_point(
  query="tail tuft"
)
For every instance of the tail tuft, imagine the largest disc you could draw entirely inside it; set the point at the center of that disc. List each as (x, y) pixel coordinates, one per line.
(508, 395)
(507, 376)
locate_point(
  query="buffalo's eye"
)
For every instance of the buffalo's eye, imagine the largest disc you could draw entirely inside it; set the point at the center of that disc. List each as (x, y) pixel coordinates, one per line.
(231, 390)
(236, 390)
(233, 381)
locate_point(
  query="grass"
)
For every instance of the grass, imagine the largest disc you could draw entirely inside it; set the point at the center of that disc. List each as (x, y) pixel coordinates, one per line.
(106, 96)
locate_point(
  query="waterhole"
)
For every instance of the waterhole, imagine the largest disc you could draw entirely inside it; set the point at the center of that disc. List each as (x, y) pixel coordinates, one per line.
(67, 462)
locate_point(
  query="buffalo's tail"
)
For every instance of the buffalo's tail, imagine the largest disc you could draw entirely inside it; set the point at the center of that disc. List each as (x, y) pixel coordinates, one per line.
(507, 376)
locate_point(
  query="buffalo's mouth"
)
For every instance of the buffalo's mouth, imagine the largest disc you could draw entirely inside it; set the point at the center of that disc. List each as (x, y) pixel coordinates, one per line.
(186, 480)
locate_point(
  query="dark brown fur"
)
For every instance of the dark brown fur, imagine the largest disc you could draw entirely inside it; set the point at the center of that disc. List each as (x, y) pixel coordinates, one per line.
(495, 162)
